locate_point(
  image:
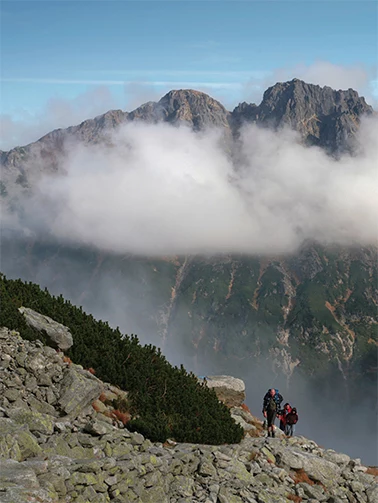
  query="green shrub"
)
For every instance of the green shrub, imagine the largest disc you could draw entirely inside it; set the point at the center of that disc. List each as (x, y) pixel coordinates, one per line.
(169, 401)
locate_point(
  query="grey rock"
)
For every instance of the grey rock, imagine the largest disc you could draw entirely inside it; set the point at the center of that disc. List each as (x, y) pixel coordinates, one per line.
(372, 493)
(59, 335)
(41, 406)
(13, 473)
(12, 394)
(16, 441)
(228, 389)
(31, 382)
(5, 361)
(290, 458)
(99, 428)
(24, 495)
(313, 491)
(36, 363)
(337, 457)
(77, 391)
(35, 421)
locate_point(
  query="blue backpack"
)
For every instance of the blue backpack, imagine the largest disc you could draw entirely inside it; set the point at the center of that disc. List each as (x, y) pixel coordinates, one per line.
(276, 395)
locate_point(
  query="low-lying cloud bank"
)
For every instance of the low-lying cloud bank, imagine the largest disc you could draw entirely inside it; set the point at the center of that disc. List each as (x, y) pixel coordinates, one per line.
(166, 190)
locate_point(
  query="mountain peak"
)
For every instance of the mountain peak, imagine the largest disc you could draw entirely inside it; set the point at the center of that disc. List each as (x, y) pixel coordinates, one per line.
(190, 96)
(322, 115)
(296, 84)
(186, 94)
(195, 107)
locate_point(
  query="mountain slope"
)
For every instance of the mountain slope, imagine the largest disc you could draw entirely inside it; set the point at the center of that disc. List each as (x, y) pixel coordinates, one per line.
(60, 442)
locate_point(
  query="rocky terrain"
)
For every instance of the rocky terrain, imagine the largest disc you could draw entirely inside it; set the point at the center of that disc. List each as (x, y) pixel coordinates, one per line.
(63, 440)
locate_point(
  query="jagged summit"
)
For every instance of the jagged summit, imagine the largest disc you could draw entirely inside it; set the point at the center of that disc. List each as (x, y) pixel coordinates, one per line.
(308, 108)
(322, 115)
(195, 107)
(309, 98)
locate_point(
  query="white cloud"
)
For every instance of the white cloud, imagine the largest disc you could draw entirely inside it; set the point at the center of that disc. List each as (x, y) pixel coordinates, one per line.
(165, 190)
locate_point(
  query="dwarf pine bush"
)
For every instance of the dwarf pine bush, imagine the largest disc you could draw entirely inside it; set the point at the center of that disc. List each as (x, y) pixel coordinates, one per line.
(165, 401)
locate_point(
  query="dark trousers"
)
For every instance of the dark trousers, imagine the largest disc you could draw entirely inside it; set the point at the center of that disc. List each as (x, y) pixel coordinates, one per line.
(271, 417)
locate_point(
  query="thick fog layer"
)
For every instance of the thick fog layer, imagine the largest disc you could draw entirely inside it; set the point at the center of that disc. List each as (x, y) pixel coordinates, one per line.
(166, 190)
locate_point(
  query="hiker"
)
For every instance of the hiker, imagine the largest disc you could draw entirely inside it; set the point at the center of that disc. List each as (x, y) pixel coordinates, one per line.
(271, 407)
(285, 412)
(291, 420)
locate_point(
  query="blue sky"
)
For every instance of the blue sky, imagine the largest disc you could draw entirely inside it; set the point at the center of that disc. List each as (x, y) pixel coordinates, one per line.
(62, 51)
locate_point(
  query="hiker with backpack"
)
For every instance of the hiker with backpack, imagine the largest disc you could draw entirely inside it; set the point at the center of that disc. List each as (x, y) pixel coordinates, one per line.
(271, 407)
(282, 417)
(290, 420)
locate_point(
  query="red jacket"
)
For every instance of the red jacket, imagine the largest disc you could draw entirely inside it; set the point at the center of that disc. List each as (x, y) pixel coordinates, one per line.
(284, 415)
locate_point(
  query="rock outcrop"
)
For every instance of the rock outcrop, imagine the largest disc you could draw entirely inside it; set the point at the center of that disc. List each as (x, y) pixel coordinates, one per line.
(229, 390)
(49, 456)
(59, 335)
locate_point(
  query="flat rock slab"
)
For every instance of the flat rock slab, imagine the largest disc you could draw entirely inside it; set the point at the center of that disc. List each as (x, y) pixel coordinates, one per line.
(59, 334)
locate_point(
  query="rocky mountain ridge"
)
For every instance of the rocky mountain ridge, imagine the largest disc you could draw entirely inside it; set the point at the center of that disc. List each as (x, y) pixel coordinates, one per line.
(323, 116)
(86, 454)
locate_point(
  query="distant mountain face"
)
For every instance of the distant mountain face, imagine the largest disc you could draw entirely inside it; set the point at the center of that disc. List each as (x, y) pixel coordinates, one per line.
(312, 315)
(323, 116)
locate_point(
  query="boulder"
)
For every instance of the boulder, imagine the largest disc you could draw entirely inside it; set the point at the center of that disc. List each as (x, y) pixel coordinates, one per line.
(98, 428)
(60, 336)
(78, 390)
(317, 468)
(321, 470)
(229, 390)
